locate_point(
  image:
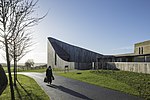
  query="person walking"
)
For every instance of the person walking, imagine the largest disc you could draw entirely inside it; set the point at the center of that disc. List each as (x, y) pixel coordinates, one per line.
(49, 75)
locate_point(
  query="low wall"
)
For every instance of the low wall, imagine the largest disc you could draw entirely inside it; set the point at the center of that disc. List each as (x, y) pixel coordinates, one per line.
(140, 67)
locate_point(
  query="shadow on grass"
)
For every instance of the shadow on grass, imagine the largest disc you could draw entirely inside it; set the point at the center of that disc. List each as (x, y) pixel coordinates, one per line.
(20, 97)
(69, 91)
(19, 91)
(26, 94)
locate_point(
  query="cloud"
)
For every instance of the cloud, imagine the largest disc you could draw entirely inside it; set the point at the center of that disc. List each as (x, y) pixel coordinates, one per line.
(122, 50)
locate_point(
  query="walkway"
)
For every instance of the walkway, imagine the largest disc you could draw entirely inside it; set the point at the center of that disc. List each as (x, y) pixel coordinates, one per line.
(68, 89)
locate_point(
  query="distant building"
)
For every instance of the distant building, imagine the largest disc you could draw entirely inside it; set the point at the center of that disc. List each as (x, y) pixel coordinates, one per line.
(61, 54)
(141, 53)
(139, 61)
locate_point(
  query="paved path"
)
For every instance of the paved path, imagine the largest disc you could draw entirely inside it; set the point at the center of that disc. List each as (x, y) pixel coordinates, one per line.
(68, 89)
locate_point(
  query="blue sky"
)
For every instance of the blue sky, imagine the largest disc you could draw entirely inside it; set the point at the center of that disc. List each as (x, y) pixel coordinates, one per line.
(103, 26)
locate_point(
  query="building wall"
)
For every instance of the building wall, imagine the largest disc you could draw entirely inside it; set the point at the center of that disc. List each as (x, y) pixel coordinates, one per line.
(55, 61)
(61, 54)
(140, 67)
(142, 48)
(76, 54)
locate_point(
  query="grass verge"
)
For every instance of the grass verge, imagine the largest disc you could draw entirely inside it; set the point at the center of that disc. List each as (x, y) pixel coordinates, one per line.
(34, 70)
(128, 82)
(26, 89)
(41, 70)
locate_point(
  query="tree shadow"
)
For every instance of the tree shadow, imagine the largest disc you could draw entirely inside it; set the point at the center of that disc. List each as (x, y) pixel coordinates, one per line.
(69, 91)
(19, 92)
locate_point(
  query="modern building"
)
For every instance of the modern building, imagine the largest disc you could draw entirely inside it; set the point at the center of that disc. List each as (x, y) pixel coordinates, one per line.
(61, 54)
(142, 48)
(139, 61)
(141, 53)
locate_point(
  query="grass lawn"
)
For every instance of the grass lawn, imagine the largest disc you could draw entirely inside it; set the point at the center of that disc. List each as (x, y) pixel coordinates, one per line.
(132, 83)
(34, 70)
(30, 70)
(6, 70)
(27, 89)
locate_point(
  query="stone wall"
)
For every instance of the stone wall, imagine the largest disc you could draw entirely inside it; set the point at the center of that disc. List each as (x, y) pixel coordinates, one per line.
(140, 67)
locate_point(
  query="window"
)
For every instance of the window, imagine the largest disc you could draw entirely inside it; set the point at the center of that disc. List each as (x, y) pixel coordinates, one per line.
(139, 50)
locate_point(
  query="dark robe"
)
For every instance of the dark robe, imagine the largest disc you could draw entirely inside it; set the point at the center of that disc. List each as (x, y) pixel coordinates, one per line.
(49, 75)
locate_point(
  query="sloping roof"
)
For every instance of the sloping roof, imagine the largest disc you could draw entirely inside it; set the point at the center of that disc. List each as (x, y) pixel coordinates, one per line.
(62, 53)
(73, 53)
(53, 39)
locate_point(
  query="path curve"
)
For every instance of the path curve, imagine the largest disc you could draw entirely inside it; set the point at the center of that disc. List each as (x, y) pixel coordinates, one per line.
(68, 89)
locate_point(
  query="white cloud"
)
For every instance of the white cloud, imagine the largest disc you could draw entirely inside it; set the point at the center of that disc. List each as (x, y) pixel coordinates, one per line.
(123, 50)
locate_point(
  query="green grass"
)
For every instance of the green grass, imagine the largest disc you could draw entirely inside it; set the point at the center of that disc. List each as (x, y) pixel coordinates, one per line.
(27, 89)
(34, 70)
(132, 83)
(6, 70)
(29, 70)
(41, 70)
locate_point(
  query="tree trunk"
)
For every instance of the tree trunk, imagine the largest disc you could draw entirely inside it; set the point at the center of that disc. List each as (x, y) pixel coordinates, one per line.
(15, 72)
(9, 71)
(15, 65)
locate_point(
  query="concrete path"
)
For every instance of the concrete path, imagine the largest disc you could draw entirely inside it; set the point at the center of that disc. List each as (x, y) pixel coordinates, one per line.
(67, 89)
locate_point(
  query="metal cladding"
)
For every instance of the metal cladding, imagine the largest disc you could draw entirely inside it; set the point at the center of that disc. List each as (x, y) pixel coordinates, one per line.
(68, 53)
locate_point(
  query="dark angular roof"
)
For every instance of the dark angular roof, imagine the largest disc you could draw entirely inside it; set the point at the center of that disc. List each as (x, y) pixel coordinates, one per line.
(72, 53)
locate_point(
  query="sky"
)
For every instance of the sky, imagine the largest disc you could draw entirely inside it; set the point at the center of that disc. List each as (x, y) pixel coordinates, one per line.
(104, 26)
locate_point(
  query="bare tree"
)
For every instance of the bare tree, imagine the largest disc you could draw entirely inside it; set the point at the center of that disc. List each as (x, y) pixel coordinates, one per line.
(15, 17)
(5, 21)
(19, 48)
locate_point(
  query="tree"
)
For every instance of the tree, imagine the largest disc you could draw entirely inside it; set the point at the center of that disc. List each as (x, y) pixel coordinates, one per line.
(5, 23)
(29, 63)
(16, 16)
(19, 49)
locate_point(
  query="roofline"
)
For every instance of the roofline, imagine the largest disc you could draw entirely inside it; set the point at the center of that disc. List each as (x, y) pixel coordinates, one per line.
(74, 46)
(142, 42)
(134, 55)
